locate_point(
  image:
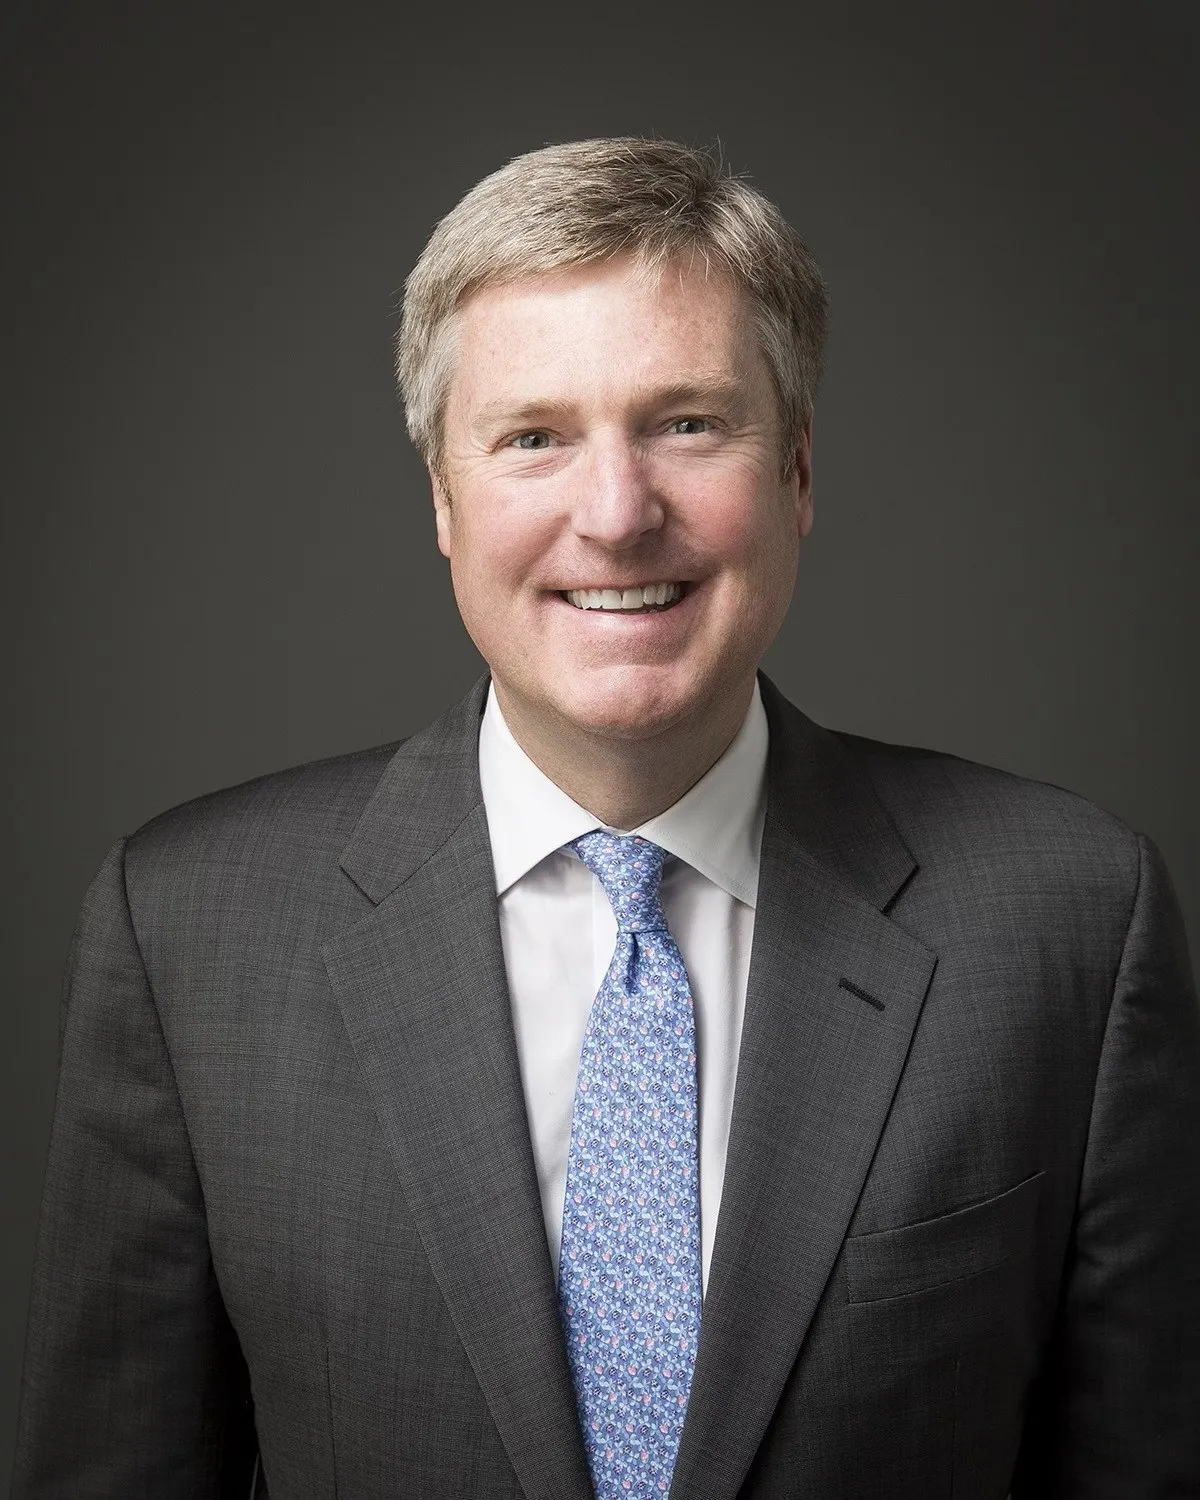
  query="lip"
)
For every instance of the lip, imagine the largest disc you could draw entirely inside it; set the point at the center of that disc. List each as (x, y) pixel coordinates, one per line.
(632, 583)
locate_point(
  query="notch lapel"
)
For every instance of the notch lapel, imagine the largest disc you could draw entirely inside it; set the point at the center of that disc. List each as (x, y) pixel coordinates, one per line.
(422, 988)
(834, 992)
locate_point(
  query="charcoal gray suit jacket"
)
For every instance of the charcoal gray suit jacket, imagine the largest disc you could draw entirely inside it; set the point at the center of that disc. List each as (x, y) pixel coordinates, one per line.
(292, 1238)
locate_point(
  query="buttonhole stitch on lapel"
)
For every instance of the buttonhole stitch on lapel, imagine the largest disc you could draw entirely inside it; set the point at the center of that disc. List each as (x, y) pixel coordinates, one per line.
(845, 984)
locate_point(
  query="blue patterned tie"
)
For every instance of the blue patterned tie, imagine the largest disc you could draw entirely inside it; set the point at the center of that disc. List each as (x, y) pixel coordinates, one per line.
(629, 1274)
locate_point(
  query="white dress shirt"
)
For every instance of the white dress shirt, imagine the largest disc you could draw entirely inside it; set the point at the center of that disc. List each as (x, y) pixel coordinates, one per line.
(558, 934)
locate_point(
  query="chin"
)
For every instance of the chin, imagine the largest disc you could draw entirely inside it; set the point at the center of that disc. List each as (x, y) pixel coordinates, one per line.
(628, 710)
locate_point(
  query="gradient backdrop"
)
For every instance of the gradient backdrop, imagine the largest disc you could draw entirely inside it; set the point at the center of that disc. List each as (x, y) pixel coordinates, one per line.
(219, 549)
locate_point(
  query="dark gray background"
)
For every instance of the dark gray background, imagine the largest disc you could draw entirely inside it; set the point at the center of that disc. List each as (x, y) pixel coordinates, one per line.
(220, 553)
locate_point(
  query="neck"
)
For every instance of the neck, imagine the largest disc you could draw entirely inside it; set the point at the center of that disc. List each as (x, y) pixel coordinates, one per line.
(626, 781)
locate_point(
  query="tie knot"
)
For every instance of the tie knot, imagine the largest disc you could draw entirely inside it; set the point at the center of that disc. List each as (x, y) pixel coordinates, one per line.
(630, 870)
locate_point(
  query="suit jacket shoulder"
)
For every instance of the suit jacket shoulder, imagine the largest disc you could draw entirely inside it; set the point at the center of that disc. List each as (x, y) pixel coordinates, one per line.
(315, 804)
(963, 820)
(251, 856)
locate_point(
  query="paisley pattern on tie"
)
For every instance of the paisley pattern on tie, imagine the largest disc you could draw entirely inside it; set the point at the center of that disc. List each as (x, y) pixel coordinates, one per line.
(629, 1274)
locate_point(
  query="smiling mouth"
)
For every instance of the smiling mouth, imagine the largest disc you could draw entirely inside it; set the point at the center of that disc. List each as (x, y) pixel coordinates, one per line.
(644, 599)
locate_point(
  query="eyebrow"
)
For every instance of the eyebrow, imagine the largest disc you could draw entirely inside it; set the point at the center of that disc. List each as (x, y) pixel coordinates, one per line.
(526, 413)
(697, 394)
(715, 391)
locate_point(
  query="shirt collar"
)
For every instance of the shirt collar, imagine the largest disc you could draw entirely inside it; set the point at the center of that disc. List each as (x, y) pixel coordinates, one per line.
(716, 826)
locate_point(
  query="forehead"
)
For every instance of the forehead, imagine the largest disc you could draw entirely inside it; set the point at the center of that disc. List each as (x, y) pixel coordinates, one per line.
(607, 325)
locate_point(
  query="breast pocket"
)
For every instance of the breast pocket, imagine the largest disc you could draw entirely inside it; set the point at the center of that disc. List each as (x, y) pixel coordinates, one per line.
(940, 1324)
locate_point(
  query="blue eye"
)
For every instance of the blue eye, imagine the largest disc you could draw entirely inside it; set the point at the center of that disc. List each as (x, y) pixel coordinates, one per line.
(689, 425)
(530, 442)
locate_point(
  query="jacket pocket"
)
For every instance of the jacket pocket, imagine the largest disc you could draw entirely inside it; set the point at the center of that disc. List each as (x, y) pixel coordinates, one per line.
(939, 1318)
(918, 1257)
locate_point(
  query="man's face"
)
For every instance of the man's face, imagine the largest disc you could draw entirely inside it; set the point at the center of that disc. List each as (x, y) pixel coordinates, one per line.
(605, 433)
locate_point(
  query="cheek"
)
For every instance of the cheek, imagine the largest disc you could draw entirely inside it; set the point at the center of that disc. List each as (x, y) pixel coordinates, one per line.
(495, 545)
(747, 526)
(759, 543)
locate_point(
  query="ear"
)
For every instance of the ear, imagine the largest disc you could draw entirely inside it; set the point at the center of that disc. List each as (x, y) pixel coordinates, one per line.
(803, 480)
(442, 516)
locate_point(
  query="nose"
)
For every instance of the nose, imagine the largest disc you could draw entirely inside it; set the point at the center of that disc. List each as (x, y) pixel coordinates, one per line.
(616, 504)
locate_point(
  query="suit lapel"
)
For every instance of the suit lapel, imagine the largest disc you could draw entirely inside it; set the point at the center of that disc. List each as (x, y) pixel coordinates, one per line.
(422, 990)
(834, 993)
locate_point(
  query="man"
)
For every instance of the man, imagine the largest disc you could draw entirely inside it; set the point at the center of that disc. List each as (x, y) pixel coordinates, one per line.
(625, 1085)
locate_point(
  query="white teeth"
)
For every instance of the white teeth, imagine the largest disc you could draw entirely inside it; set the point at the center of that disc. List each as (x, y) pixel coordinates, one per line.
(626, 599)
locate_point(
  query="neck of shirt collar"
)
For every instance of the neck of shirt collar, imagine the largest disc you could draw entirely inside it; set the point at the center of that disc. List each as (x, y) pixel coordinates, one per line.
(716, 826)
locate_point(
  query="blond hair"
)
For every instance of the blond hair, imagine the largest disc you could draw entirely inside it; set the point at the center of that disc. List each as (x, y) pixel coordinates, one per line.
(583, 202)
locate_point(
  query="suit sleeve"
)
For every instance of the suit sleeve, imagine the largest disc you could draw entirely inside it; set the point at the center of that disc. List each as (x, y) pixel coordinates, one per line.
(134, 1385)
(1117, 1410)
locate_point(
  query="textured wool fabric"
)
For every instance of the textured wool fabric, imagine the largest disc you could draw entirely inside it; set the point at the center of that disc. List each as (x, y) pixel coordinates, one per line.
(629, 1273)
(291, 1205)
